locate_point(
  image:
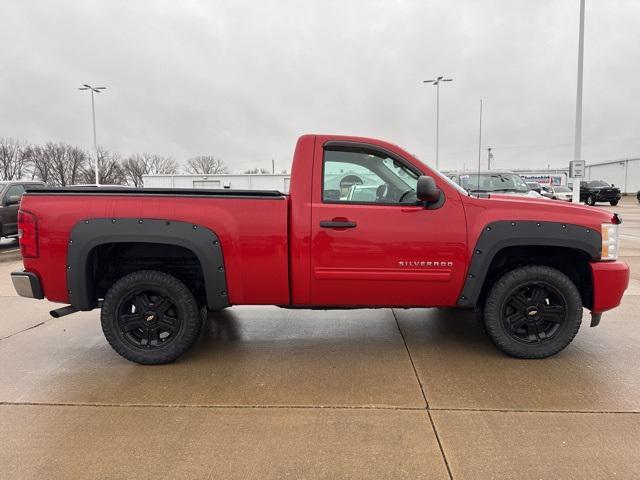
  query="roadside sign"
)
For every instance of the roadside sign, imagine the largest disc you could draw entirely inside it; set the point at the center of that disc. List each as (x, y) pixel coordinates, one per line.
(576, 168)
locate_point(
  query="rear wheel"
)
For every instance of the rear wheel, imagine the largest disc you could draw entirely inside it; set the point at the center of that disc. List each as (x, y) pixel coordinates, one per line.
(150, 317)
(590, 200)
(613, 203)
(533, 312)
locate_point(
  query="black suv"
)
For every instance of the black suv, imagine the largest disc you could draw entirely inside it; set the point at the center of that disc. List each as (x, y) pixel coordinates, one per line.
(594, 191)
(10, 194)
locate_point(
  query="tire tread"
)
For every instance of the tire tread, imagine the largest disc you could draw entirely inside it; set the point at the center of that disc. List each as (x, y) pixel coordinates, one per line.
(492, 311)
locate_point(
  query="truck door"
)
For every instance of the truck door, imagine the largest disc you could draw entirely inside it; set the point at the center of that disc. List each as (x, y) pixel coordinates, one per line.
(372, 242)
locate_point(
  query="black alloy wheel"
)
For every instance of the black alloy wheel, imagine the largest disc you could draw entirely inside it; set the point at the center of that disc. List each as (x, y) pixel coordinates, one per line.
(533, 312)
(150, 317)
(590, 200)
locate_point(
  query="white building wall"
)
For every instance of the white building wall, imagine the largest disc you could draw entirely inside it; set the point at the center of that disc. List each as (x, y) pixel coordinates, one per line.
(633, 176)
(624, 174)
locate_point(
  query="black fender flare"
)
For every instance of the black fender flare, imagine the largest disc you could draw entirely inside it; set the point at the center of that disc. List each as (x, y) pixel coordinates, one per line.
(90, 233)
(499, 235)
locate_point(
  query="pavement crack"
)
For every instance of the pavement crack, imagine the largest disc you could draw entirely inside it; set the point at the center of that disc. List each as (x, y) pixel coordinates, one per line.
(213, 407)
(413, 365)
(444, 456)
(309, 407)
(524, 410)
(26, 329)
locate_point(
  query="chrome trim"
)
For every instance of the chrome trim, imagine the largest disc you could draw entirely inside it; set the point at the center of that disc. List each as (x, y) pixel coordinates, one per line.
(26, 284)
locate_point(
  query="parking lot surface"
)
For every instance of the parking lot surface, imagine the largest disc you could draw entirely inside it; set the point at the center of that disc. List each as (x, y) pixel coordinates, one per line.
(273, 393)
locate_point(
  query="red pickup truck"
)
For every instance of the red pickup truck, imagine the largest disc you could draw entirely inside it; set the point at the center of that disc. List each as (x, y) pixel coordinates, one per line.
(365, 225)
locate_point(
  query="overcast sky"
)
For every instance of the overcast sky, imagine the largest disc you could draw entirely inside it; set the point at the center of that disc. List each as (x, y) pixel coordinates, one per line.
(241, 80)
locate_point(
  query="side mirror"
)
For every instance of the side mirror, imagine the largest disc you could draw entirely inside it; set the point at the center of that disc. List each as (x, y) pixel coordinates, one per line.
(13, 200)
(426, 190)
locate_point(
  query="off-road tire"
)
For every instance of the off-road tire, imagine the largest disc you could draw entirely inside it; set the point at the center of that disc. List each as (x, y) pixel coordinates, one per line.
(543, 277)
(184, 307)
(613, 203)
(590, 200)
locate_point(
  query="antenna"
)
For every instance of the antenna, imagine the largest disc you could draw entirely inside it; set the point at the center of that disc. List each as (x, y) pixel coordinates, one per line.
(479, 147)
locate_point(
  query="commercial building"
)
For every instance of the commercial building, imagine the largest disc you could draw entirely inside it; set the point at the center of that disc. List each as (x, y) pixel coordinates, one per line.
(265, 181)
(624, 174)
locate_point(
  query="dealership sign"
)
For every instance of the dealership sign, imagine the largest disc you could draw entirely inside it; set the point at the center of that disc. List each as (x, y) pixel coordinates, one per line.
(576, 168)
(544, 178)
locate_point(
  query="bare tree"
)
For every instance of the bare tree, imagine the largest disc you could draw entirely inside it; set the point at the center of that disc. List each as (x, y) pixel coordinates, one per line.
(205, 165)
(58, 164)
(109, 168)
(141, 164)
(38, 169)
(13, 159)
(257, 171)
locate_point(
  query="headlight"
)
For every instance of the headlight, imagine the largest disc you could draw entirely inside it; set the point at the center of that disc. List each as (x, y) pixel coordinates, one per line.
(609, 241)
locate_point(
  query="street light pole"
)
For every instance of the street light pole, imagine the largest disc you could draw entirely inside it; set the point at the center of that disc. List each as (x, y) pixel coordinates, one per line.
(436, 82)
(577, 148)
(93, 113)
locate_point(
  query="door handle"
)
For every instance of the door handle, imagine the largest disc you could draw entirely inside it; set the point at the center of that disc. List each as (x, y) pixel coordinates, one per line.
(337, 224)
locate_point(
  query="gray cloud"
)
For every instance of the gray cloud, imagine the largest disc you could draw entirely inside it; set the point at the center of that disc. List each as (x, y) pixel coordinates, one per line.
(241, 80)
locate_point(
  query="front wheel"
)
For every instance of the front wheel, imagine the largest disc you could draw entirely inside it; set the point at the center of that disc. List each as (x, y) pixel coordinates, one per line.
(150, 317)
(613, 203)
(533, 312)
(590, 200)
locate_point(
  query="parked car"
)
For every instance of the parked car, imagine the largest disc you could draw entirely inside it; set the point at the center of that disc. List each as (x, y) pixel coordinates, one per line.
(535, 186)
(557, 192)
(494, 181)
(594, 191)
(11, 193)
(154, 259)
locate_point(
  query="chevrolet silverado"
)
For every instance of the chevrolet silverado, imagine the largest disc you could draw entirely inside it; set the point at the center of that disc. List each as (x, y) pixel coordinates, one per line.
(154, 259)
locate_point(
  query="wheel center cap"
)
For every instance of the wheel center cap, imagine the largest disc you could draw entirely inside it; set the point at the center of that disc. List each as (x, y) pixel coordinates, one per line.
(532, 311)
(150, 317)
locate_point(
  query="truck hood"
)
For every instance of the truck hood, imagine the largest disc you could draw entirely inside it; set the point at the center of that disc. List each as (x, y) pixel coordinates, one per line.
(509, 207)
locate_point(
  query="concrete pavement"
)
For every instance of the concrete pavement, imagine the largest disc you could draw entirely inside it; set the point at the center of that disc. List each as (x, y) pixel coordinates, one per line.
(272, 393)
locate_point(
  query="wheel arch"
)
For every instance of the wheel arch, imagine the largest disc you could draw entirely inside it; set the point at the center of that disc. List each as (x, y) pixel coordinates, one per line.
(89, 235)
(505, 245)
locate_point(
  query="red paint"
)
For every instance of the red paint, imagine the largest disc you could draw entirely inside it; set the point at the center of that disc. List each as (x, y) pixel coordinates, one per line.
(276, 252)
(252, 232)
(610, 280)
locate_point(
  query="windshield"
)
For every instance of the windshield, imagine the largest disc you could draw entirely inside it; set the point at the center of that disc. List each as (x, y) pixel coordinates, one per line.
(598, 183)
(493, 182)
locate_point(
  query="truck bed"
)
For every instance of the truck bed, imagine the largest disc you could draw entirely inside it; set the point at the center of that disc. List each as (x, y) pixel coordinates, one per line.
(251, 226)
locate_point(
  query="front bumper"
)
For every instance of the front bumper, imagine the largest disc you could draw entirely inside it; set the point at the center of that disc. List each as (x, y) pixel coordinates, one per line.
(610, 280)
(608, 197)
(27, 284)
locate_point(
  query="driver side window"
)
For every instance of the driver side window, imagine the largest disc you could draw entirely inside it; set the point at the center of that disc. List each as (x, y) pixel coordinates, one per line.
(361, 177)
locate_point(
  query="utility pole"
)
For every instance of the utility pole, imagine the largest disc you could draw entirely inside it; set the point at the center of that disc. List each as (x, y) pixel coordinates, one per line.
(577, 148)
(436, 82)
(489, 157)
(480, 136)
(273, 166)
(93, 113)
